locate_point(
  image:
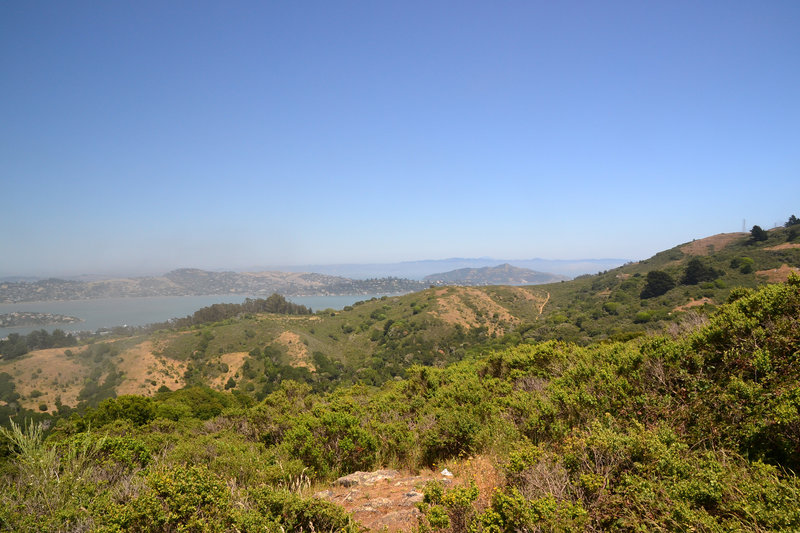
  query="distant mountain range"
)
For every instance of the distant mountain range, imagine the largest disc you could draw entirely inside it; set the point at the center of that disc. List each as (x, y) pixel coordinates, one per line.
(191, 282)
(419, 270)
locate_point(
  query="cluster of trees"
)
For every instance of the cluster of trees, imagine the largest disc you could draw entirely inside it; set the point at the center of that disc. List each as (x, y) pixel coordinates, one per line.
(696, 271)
(218, 312)
(691, 433)
(17, 345)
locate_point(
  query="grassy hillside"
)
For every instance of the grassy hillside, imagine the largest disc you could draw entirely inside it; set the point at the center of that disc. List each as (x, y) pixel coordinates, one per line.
(610, 305)
(686, 433)
(377, 340)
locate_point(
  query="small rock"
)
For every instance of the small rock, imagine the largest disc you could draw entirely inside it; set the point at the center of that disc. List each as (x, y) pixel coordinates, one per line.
(352, 495)
(394, 519)
(373, 506)
(365, 478)
(447, 473)
(412, 498)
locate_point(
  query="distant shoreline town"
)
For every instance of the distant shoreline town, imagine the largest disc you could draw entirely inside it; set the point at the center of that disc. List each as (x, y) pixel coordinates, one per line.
(29, 318)
(195, 282)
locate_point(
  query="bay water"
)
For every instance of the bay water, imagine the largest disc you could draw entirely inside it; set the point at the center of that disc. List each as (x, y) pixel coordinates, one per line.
(111, 312)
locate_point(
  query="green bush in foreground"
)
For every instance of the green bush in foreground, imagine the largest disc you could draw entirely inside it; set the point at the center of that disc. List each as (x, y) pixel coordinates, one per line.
(694, 432)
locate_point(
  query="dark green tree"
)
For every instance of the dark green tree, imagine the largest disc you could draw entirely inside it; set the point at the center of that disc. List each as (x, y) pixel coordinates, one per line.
(658, 283)
(757, 234)
(793, 220)
(697, 271)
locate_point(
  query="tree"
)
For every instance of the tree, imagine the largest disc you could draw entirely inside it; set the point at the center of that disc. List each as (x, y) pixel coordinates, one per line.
(757, 234)
(793, 220)
(696, 272)
(658, 283)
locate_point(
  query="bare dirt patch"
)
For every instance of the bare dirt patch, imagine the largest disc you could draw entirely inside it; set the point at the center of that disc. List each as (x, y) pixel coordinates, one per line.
(50, 372)
(146, 372)
(694, 303)
(385, 500)
(298, 352)
(234, 360)
(471, 308)
(778, 274)
(784, 246)
(715, 243)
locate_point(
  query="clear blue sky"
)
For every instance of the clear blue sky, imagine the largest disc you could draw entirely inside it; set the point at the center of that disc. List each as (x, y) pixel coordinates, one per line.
(144, 136)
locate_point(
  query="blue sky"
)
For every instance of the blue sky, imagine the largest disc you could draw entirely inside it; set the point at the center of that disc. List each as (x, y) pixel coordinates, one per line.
(143, 136)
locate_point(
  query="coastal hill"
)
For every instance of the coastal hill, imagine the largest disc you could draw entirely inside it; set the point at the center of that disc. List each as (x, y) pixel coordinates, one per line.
(378, 339)
(196, 282)
(504, 274)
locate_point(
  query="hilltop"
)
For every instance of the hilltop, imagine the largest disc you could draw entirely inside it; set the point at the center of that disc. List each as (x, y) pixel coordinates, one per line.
(504, 274)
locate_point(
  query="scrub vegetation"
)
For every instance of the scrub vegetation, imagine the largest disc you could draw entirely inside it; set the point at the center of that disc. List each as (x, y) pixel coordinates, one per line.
(609, 403)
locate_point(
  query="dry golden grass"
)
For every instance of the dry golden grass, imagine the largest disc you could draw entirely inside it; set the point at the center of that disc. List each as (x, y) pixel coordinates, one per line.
(778, 274)
(457, 306)
(298, 352)
(715, 243)
(784, 246)
(50, 372)
(693, 303)
(234, 360)
(145, 372)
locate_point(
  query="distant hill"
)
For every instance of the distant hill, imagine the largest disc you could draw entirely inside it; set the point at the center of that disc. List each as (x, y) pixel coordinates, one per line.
(504, 274)
(376, 340)
(417, 270)
(196, 282)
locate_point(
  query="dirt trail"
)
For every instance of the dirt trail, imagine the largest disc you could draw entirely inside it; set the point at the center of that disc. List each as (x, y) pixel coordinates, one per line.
(537, 300)
(541, 307)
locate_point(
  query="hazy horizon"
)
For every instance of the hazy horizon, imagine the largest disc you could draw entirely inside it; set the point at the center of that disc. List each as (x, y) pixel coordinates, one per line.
(143, 137)
(355, 270)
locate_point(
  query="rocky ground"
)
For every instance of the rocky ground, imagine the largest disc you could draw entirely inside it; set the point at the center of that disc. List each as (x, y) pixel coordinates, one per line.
(384, 500)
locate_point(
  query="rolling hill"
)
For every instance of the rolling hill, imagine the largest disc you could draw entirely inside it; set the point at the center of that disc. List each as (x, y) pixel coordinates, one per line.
(504, 274)
(377, 340)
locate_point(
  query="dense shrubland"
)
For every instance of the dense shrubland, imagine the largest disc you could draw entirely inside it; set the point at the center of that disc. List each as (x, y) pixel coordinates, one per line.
(697, 431)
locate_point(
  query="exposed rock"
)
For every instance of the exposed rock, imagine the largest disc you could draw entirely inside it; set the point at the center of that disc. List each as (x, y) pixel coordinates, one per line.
(365, 478)
(384, 500)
